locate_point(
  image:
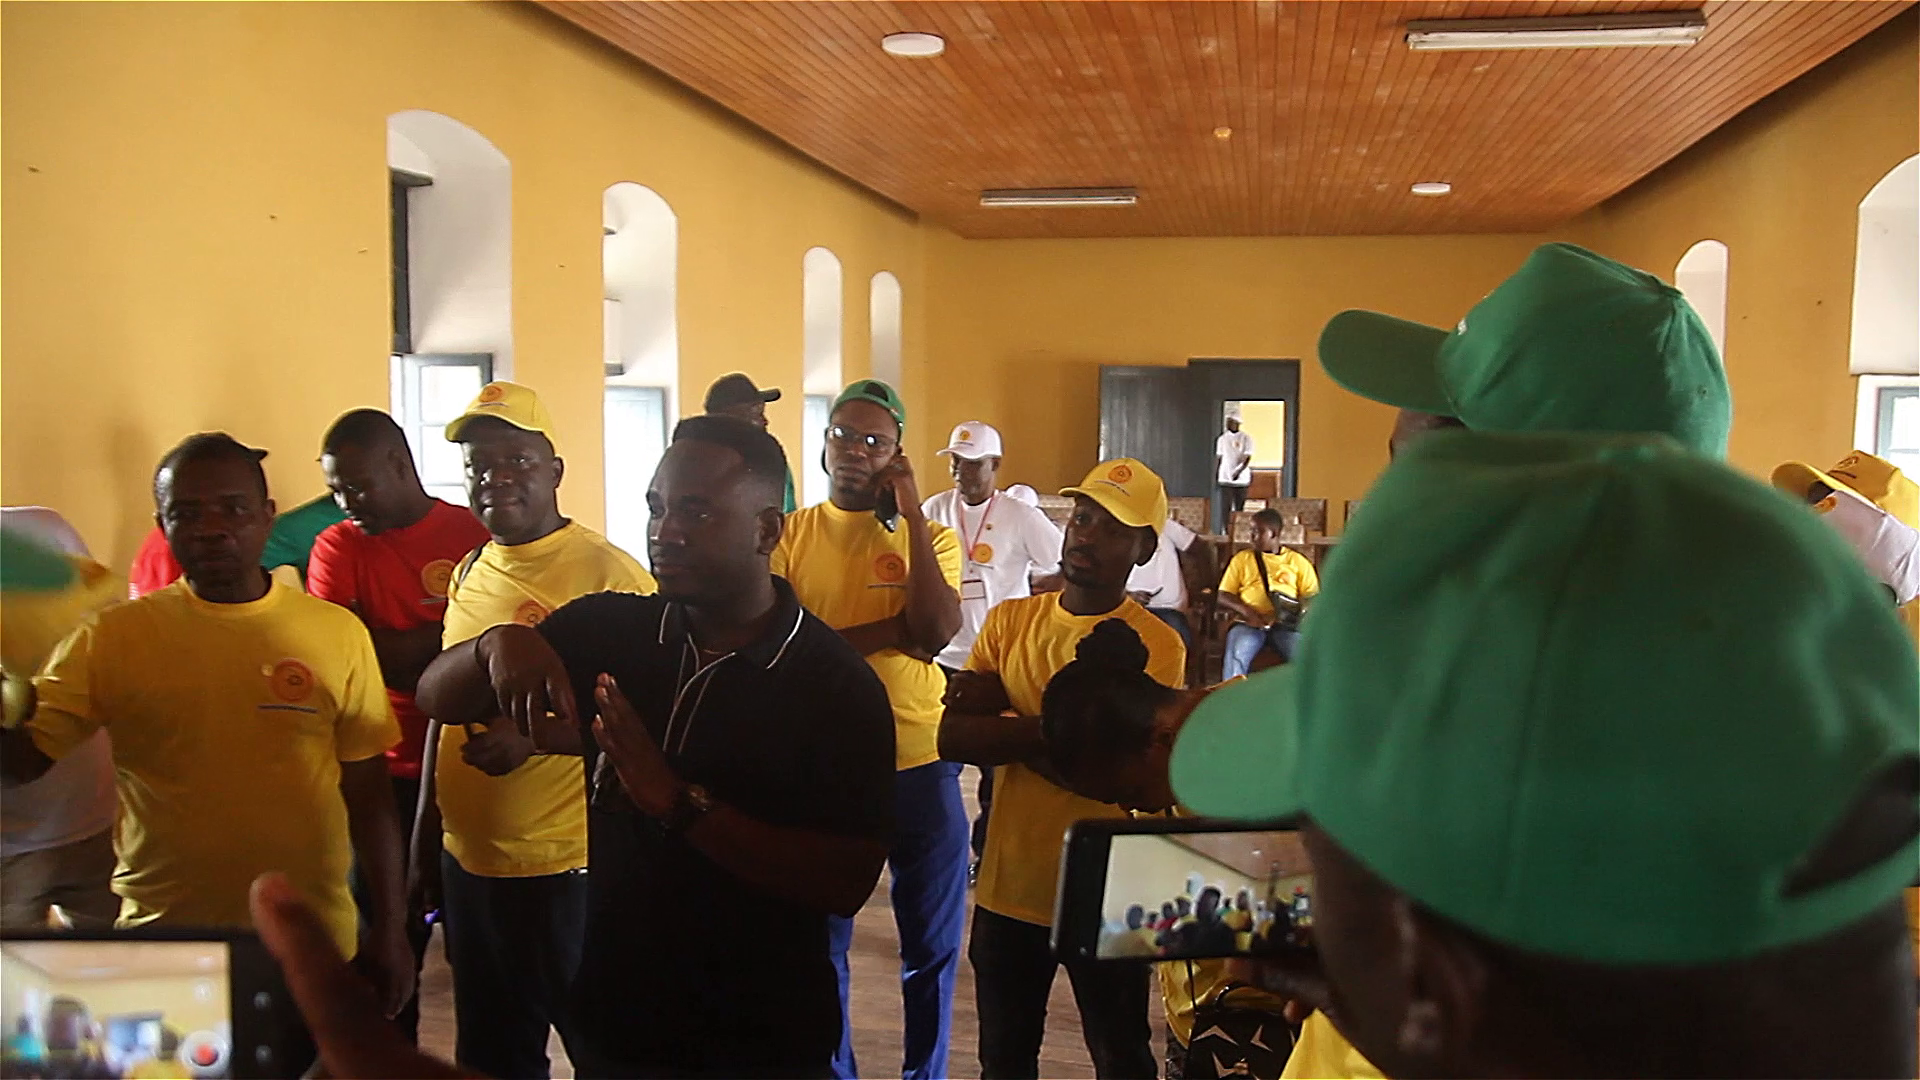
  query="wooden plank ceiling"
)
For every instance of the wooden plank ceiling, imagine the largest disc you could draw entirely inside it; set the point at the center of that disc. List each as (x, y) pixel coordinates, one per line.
(1331, 116)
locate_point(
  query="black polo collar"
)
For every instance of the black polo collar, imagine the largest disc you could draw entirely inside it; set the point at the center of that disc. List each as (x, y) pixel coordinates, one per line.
(765, 651)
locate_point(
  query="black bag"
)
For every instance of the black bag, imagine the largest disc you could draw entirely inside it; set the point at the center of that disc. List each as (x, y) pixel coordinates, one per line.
(1230, 1040)
(1286, 609)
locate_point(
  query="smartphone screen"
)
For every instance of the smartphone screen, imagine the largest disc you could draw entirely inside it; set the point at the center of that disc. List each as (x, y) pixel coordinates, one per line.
(104, 1006)
(1183, 889)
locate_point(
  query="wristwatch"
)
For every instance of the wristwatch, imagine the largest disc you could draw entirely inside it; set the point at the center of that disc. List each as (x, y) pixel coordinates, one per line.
(693, 804)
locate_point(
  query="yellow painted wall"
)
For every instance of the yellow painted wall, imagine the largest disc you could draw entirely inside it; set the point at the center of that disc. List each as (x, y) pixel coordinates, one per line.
(195, 209)
(1020, 328)
(1781, 186)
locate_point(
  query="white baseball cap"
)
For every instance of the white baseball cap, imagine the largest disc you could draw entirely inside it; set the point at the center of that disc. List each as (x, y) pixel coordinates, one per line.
(974, 440)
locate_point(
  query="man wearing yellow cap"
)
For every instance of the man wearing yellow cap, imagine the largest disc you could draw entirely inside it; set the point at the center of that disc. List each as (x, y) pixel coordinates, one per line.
(1118, 510)
(513, 819)
(1876, 481)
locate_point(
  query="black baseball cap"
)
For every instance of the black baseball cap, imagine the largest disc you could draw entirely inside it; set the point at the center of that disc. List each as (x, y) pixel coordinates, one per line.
(736, 389)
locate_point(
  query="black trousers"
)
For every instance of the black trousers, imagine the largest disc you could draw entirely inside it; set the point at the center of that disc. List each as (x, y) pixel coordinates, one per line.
(514, 944)
(1233, 499)
(1013, 969)
(406, 792)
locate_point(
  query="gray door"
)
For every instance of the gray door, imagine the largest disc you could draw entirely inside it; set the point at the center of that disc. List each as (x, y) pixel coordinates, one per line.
(1143, 413)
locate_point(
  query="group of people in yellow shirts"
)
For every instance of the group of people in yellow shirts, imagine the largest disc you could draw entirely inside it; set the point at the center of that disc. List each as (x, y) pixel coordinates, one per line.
(645, 804)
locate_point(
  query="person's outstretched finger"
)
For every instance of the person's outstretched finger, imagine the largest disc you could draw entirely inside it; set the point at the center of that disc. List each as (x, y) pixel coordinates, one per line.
(339, 1008)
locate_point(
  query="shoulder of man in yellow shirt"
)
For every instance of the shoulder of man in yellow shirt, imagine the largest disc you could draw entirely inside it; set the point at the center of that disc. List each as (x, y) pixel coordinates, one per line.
(1322, 1053)
(819, 578)
(1039, 622)
(495, 585)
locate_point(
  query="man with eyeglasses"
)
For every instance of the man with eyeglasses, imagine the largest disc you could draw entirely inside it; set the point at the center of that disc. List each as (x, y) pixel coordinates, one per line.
(870, 564)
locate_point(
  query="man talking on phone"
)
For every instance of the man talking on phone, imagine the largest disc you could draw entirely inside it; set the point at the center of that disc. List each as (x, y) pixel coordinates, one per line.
(870, 565)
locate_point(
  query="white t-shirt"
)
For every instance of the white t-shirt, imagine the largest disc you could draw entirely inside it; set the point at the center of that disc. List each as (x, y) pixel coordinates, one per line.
(1160, 578)
(1016, 539)
(1231, 445)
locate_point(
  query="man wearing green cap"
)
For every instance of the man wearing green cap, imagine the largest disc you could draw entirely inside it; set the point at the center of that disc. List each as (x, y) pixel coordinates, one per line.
(1616, 810)
(1573, 341)
(869, 563)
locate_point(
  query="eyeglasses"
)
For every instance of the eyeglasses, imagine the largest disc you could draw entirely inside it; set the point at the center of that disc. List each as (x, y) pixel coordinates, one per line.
(871, 445)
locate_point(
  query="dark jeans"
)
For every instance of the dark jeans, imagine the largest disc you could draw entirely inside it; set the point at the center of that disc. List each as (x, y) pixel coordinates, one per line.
(1233, 499)
(1013, 969)
(929, 898)
(983, 791)
(406, 792)
(1177, 619)
(514, 944)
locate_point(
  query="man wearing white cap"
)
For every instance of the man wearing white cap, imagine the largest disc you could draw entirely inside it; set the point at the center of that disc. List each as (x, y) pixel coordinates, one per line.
(1003, 541)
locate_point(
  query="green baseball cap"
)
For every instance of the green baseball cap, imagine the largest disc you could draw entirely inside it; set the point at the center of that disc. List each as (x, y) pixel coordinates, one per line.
(877, 392)
(1573, 341)
(1592, 696)
(27, 566)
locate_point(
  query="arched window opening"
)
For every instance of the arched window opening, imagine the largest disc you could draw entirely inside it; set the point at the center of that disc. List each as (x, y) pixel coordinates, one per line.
(821, 286)
(639, 264)
(1702, 278)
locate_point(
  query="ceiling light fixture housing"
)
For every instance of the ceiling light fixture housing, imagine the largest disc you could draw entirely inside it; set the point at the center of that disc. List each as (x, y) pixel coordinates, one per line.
(1558, 31)
(1431, 187)
(914, 44)
(1005, 197)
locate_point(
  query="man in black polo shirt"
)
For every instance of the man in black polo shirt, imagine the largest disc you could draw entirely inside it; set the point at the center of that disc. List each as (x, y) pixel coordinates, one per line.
(744, 795)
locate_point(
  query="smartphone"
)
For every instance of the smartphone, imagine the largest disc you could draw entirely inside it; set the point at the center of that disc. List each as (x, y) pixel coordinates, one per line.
(146, 1002)
(887, 508)
(1182, 888)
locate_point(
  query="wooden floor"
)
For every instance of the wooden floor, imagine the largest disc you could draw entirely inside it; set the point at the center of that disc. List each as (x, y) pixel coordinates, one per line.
(876, 1002)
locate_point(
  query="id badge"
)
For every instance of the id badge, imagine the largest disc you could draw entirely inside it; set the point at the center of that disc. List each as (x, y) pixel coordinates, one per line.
(973, 589)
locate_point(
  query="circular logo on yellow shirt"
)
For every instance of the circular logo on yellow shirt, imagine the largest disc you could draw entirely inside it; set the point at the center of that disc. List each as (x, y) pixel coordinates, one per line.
(435, 576)
(982, 553)
(529, 613)
(491, 392)
(292, 681)
(1120, 474)
(890, 568)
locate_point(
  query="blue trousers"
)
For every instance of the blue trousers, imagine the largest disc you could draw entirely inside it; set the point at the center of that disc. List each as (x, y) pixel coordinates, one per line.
(1244, 643)
(929, 897)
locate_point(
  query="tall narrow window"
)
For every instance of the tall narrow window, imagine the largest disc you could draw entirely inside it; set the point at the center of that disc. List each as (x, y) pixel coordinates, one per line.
(639, 266)
(883, 321)
(820, 303)
(428, 391)
(1884, 349)
(1702, 278)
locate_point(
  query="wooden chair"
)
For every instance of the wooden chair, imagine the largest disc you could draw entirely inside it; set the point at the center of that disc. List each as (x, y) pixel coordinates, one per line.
(1311, 513)
(1058, 509)
(1346, 520)
(1194, 512)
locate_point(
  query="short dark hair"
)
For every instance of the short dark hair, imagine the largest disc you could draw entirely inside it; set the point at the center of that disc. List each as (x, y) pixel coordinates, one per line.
(364, 428)
(1100, 708)
(766, 462)
(209, 446)
(1269, 517)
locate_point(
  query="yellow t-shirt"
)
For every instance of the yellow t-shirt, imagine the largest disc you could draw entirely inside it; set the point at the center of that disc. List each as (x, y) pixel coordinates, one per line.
(1324, 1054)
(1026, 642)
(1289, 573)
(532, 821)
(848, 570)
(229, 724)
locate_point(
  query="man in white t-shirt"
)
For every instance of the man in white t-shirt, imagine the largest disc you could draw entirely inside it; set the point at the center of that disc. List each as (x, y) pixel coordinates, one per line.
(1159, 586)
(1005, 544)
(1233, 467)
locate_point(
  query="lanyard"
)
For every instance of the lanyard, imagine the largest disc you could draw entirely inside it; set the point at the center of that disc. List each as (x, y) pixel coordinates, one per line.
(974, 541)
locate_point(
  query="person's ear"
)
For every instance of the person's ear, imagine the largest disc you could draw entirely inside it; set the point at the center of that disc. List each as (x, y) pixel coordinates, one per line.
(770, 525)
(1144, 546)
(559, 471)
(1445, 983)
(272, 511)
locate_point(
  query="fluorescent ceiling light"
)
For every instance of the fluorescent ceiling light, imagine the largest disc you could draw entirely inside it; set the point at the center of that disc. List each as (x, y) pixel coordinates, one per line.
(1558, 31)
(1431, 187)
(914, 44)
(1123, 196)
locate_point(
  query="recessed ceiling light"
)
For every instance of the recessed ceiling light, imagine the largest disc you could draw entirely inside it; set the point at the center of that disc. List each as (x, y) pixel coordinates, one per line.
(1223, 132)
(1558, 31)
(1060, 197)
(914, 44)
(1431, 187)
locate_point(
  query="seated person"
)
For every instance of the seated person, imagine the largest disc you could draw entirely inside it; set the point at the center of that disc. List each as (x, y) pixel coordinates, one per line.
(1109, 730)
(1248, 594)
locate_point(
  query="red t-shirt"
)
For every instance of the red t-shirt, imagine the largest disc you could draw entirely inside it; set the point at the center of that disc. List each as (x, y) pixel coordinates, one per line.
(154, 567)
(396, 580)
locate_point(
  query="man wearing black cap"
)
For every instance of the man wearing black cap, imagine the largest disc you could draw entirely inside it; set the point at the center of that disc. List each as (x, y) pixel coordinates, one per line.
(735, 395)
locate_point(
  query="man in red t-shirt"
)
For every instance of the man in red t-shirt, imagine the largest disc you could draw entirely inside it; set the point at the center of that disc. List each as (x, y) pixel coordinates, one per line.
(389, 563)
